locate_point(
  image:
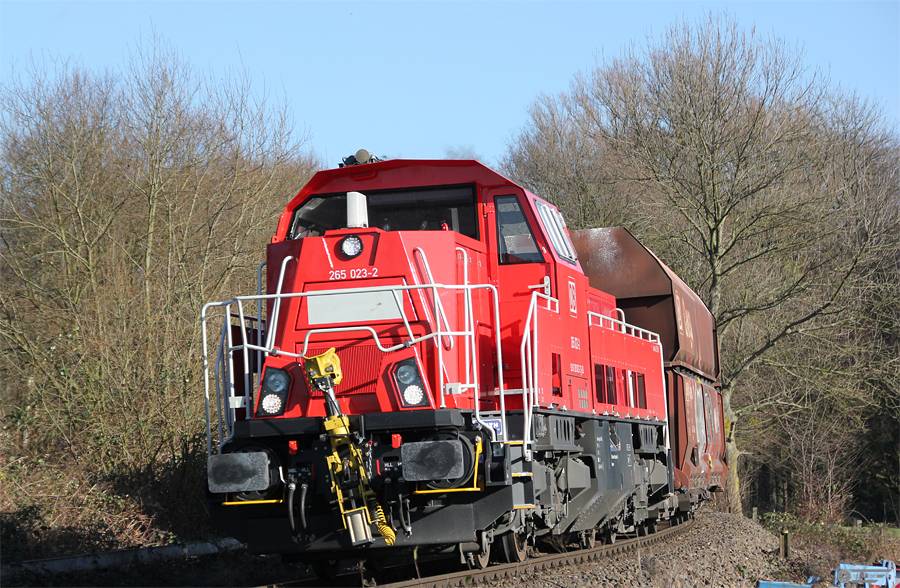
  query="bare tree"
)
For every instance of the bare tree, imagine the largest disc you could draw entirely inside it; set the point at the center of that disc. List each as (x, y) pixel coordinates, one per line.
(824, 450)
(555, 158)
(127, 200)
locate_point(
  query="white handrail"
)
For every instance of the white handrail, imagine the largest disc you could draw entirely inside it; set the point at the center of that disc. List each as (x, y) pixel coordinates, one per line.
(219, 359)
(621, 326)
(259, 322)
(528, 352)
(471, 368)
(273, 324)
(224, 404)
(467, 310)
(440, 316)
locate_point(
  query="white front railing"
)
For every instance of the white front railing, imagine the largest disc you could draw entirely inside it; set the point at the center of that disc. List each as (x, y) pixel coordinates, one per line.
(226, 402)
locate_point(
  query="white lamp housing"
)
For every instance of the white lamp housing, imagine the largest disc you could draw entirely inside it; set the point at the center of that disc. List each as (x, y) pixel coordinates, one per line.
(357, 211)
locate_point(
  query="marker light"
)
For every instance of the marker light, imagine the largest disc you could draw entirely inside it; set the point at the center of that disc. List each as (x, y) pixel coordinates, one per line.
(271, 403)
(413, 395)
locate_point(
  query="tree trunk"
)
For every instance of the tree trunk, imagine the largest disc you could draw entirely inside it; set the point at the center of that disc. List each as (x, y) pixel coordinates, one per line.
(732, 481)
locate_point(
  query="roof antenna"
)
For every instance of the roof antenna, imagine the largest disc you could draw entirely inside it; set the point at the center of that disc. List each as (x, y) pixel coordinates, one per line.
(360, 157)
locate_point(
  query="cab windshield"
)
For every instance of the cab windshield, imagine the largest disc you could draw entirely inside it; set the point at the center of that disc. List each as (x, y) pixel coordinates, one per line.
(414, 209)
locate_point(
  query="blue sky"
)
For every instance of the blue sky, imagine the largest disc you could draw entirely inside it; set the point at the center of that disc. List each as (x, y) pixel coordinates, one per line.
(417, 79)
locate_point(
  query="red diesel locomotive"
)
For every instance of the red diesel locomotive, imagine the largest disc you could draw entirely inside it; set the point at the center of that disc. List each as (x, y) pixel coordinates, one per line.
(436, 363)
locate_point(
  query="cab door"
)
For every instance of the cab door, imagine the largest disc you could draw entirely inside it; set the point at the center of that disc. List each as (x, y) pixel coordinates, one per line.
(519, 264)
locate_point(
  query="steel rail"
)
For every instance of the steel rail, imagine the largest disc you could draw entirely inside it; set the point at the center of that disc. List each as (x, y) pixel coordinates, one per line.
(465, 578)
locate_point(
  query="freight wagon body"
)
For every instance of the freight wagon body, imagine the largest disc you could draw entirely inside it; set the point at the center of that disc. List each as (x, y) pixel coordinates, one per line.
(432, 363)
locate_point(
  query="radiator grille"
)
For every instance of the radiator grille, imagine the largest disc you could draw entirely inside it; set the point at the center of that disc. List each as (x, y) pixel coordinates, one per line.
(360, 364)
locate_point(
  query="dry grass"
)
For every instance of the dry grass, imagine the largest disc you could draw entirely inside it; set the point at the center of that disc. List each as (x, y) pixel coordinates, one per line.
(818, 546)
(55, 507)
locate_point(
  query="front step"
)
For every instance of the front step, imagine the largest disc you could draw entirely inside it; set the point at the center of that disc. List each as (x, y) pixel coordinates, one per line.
(522, 476)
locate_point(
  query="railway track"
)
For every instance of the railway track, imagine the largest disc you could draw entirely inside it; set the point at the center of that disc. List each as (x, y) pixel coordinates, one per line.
(534, 563)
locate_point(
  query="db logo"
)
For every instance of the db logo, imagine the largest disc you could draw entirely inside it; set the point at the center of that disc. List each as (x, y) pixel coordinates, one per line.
(573, 298)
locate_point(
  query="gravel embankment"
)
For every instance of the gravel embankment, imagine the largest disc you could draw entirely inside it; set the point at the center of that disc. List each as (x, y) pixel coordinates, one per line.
(722, 550)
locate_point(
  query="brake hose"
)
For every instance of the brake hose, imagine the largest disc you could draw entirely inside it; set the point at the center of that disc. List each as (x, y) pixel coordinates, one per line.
(290, 505)
(303, 489)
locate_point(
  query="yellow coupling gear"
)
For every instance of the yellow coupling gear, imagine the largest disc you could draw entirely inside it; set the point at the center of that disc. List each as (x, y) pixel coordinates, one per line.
(325, 364)
(386, 531)
(323, 372)
(349, 480)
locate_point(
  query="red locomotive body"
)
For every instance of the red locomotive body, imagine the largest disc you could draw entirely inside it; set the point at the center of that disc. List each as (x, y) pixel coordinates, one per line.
(431, 367)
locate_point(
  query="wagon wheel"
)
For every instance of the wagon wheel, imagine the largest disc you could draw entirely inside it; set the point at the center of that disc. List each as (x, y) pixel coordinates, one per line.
(513, 548)
(609, 536)
(588, 539)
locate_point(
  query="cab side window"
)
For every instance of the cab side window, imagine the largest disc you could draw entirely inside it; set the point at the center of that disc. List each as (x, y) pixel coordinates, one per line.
(556, 229)
(516, 242)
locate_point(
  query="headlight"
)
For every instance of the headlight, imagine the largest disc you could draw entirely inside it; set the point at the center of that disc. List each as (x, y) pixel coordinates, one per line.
(351, 246)
(406, 374)
(276, 381)
(411, 391)
(273, 392)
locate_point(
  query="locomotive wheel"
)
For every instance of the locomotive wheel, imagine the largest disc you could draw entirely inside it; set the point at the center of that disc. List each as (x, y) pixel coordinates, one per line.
(589, 539)
(640, 530)
(513, 548)
(652, 526)
(479, 561)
